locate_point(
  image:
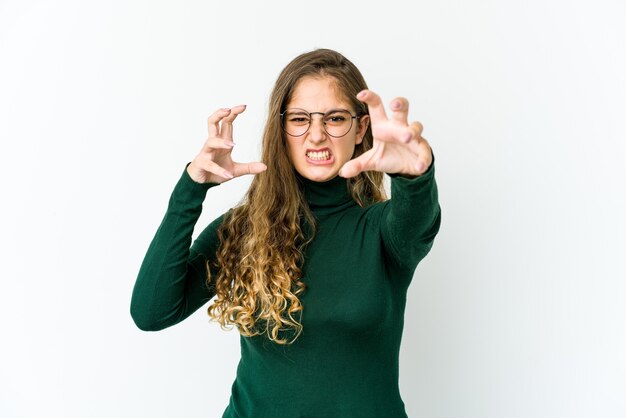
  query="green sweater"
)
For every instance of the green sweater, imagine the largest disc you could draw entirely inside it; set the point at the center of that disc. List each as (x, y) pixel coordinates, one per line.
(357, 271)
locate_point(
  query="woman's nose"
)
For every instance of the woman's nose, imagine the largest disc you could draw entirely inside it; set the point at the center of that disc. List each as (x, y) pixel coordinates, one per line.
(317, 132)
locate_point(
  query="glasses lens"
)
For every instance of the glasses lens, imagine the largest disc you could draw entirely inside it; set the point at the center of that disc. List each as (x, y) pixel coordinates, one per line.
(296, 122)
(338, 122)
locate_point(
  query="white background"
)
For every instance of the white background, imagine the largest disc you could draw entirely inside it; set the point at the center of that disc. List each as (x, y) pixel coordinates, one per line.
(519, 310)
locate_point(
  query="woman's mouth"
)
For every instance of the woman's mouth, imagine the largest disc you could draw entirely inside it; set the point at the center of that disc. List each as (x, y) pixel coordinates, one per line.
(318, 157)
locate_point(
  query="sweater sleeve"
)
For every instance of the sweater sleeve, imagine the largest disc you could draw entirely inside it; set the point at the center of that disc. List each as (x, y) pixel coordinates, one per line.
(171, 283)
(411, 219)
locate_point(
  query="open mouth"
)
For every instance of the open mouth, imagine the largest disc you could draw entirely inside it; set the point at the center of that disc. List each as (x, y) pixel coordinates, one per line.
(318, 155)
(322, 156)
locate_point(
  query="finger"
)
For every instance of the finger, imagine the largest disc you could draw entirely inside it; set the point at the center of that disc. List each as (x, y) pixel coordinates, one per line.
(412, 133)
(214, 168)
(424, 159)
(400, 110)
(358, 165)
(218, 143)
(242, 169)
(226, 129)
(425, 154)
(214, 121)
(374, 104)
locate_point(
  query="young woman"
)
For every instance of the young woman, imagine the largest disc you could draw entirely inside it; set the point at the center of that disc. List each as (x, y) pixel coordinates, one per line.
(313, 267)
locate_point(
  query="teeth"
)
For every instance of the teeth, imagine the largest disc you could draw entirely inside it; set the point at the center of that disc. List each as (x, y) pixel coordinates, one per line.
(318, 155)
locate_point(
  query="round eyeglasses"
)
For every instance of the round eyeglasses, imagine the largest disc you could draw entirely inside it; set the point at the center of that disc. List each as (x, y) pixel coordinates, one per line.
(336, 122)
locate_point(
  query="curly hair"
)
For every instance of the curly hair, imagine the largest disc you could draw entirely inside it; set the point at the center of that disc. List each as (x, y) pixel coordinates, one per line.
(262, 240)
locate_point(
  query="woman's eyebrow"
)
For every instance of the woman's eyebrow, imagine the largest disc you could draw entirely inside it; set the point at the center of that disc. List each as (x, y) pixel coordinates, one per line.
(332, 109)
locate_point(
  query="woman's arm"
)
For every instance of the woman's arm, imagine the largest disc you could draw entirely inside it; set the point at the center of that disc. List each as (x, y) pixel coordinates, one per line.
(411, 218)
(172, 280)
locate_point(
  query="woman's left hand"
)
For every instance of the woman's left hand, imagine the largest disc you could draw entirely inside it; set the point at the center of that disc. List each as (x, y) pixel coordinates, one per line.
(398, 147)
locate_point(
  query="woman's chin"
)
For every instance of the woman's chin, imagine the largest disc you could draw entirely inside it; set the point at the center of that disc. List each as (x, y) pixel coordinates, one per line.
(319, 173)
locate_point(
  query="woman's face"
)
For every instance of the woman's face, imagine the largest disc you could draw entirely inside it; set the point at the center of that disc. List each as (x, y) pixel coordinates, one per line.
(316, 155)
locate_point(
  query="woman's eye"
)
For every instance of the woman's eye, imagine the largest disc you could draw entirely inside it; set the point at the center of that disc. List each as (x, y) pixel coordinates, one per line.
(298, 119)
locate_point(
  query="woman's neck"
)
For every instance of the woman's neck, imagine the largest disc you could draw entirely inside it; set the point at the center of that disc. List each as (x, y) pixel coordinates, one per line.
(326, 197)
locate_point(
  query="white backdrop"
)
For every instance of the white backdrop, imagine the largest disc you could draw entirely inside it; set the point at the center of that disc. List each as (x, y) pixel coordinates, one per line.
(518, 311)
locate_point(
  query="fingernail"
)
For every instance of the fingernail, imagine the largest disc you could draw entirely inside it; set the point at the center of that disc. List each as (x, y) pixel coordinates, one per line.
(228, 175)
(361, 95)
(420, 167)
(225, 109)
(406, 137)
(396, 105)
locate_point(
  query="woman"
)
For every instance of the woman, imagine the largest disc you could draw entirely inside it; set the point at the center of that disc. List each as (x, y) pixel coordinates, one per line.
(314, 265)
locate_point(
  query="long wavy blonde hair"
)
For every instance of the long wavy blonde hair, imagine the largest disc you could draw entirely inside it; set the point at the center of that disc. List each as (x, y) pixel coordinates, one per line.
(263, 239)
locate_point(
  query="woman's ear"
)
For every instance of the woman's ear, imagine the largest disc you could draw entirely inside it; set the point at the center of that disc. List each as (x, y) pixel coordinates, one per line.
(364, 122)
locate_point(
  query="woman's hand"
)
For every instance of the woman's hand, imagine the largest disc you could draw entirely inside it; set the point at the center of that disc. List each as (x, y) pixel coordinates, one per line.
(214, 163)
(398, 147)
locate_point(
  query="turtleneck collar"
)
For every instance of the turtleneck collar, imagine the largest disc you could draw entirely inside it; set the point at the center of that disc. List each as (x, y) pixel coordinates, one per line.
(327, 197)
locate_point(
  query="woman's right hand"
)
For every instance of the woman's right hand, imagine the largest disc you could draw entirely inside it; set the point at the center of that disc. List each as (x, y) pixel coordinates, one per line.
(214, 163)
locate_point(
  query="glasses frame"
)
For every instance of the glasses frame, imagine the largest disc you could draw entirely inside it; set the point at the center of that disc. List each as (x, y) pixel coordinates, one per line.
(352, 118)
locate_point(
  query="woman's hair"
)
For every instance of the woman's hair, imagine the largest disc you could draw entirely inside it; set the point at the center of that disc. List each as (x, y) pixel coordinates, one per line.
(262, 240)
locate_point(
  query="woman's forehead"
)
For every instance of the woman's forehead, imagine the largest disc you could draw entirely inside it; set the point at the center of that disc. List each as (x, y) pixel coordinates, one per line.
(319, 93)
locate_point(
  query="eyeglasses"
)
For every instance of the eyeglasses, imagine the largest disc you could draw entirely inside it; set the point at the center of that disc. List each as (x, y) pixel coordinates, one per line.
(336, 122)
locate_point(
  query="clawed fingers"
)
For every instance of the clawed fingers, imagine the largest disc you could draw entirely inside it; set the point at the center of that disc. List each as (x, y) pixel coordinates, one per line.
(425, 157)
(220, 122)
(393, 129)
(374, 104)
(238, 169)
(227, 123)
(214, 121)
(413, 133)
(242, 169)
(225, 170)
(400, 110)
(213, 143)
(214, 163)
(214, 168)
(353, 167)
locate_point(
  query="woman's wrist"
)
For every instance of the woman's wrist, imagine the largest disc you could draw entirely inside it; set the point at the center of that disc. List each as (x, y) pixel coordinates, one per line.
(194, 173)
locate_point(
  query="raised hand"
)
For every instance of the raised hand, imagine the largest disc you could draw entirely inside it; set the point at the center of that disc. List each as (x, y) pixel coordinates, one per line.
(214, 164)
(398, 146)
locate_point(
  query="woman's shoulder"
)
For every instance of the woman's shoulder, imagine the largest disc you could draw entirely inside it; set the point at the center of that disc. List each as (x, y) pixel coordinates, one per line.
(370, 214)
